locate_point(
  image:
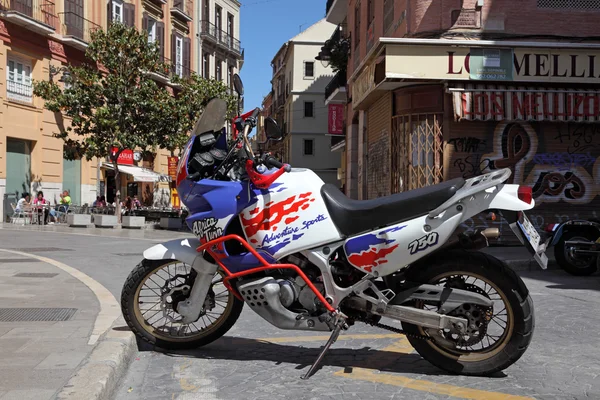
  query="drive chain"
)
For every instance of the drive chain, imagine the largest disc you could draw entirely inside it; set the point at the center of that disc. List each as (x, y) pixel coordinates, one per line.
(391, 328)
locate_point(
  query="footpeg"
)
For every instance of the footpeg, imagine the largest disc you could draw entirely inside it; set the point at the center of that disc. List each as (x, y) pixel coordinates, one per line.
(339, 324)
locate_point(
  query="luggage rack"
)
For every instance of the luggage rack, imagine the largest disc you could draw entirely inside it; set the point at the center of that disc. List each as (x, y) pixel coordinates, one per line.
(472, 186)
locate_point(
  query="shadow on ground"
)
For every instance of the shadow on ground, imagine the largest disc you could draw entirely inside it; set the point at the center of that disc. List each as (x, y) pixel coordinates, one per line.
(562, 280)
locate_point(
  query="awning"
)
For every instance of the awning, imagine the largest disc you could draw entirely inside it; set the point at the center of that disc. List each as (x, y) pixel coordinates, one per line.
(524, 103)
(139, 174)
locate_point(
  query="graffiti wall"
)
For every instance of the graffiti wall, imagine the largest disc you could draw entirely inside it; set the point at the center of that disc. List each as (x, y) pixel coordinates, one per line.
(559, 161)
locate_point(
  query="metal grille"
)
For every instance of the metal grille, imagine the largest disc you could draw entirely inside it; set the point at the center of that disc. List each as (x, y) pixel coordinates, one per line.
(36, 314)
(570, 4)
(417, 148)
(35, 275)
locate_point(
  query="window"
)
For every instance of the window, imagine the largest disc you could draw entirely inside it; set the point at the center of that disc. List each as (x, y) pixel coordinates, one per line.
(151, 29)
(388, 15)
(309, 111)
(117, 11)
(356, 32)
(309, 147)
(218, 14)
(230, 77)
(309, 69)
(206, 65)
(18, 85)
(218, 75)
(178, 56)
(230, 30)
(206, 12)
(370, 12)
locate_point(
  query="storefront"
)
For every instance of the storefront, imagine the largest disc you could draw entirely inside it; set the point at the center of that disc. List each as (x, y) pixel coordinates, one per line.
(460, 110)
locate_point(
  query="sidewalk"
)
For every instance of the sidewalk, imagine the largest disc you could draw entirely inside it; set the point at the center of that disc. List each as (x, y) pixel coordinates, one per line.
(46, 319)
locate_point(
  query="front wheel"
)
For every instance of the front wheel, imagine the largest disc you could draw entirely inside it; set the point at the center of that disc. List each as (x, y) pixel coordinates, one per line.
(149, 304)
(496, 337)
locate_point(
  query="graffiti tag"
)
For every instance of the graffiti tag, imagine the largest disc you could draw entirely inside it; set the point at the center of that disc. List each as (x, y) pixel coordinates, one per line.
(468, 144)
(580, 137)
(565, 161)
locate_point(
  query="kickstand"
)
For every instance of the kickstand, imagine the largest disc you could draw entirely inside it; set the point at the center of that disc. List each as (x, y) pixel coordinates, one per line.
(332, 339)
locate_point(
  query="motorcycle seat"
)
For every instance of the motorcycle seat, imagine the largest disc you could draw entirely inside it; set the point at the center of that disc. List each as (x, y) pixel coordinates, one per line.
(352, 217)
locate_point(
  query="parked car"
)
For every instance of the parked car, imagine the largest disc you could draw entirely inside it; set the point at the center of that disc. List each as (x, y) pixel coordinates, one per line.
(576, 245)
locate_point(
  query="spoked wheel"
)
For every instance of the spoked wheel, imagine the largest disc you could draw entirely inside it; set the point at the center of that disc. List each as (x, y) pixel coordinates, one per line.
(150, 298)
(574, 264)
(497, 336)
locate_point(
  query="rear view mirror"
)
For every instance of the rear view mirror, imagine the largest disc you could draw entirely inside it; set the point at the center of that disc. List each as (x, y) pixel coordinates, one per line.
(272, 129)
(238, 85)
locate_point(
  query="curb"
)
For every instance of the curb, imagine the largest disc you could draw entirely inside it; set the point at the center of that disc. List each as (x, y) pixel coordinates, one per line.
(99, 375)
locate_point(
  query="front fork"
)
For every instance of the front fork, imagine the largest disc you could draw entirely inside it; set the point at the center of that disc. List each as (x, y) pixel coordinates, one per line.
(191, 308)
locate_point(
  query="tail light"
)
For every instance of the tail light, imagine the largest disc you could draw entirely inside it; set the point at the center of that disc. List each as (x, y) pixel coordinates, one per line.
(525, 194)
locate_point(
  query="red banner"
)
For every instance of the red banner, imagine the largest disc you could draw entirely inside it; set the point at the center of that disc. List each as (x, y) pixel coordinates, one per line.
(126, 156)
(336, 119)
(173, 163)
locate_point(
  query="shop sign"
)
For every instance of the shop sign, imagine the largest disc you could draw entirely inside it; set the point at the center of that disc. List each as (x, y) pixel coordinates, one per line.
(363, 85)
(336, 119)
(173, 163)
(125, 158)
(528, 64)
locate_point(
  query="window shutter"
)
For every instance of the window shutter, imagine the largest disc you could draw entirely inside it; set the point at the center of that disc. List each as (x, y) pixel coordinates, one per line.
(109, 12)
(129, 14)
(160, 35)
(173, 50)
(187, 49)
(145, 22)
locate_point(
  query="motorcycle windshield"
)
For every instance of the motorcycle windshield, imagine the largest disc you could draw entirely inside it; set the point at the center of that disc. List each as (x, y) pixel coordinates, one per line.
(212, 118)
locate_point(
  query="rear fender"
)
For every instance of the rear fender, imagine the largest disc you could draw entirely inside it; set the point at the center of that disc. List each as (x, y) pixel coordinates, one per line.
(573, 225)
(183, 250)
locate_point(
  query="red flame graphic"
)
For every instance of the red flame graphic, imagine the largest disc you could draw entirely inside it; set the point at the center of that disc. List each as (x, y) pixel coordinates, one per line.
(274, 213)
(372, 258)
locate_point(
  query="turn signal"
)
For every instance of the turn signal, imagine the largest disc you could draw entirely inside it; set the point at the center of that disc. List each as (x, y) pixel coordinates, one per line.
(525, 194)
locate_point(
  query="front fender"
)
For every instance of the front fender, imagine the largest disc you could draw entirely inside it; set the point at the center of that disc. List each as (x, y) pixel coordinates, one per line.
(572, 223)
(183, 250)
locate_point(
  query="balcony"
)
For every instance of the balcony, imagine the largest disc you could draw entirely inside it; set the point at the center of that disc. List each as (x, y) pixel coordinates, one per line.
(335, 91)
(19, 92)
(76, 31)
(36, 15)
(336, 11)
(183, 9)
(211, 32)
(171, 69)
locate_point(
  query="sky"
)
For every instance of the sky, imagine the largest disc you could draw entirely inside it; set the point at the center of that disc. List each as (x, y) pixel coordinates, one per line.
(265, 26)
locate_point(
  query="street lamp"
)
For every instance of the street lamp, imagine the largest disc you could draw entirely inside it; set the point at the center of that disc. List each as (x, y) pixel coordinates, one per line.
(325, 55)
(53, 71)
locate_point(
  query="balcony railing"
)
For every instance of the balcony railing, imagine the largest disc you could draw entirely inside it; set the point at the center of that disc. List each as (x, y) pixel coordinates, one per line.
(172, 68)
(42, 11)
(184, 7)
(338, 81)
(211, 31)
(75, 26)
(19, 91)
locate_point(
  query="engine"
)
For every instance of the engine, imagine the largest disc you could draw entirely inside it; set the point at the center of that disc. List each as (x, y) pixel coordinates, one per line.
(296, 295)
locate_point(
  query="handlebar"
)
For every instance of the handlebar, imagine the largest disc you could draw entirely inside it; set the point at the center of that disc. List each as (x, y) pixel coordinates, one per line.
(271, 161)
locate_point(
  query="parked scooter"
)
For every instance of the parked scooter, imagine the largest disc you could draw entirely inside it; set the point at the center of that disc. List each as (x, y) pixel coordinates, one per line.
(576, 245)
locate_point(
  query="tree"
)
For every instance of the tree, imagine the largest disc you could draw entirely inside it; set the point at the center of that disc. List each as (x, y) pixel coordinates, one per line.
(112, 100)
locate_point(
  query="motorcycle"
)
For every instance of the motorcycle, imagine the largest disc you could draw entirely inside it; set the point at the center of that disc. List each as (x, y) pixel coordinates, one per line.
(576, 245)
(303, 256)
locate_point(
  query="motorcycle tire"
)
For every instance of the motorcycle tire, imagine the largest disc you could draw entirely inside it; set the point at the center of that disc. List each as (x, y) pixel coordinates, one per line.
(586, 266)
(511, 290)
(145, 331)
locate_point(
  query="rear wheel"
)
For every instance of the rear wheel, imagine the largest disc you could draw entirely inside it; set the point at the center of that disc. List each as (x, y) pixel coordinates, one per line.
(496, 337)
(580, 265)
(149, 304)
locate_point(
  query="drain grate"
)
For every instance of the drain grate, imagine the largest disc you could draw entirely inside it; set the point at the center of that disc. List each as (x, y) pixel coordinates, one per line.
(18, 260)
(36, 314)
(40, 249)
(35, 275)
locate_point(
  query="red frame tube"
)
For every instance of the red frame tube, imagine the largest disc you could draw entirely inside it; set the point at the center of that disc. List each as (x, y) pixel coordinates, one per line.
(264, 267)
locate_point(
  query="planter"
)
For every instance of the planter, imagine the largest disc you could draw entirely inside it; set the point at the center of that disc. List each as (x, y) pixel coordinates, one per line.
(105, 221)
(79, 220)
(133, 222)
(170, 223)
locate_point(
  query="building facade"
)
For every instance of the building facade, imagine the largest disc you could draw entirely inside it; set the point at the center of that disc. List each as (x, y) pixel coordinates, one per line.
(299, 103)
(439, 90)
(220, 54)
(38, 39)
